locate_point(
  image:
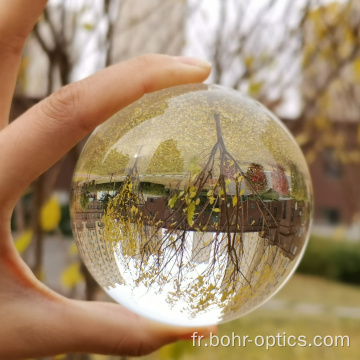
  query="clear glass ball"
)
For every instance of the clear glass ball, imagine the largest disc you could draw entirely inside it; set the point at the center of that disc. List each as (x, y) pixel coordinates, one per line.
(191, 206)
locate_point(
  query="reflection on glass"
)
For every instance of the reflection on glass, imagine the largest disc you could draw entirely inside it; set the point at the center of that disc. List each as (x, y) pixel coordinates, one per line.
(191, 206)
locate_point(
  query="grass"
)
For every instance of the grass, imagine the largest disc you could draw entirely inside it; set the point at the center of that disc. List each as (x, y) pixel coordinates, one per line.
(300, 289)
(309, 289)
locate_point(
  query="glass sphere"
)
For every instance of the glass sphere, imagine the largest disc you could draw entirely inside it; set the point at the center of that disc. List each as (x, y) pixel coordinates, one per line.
(191, 206)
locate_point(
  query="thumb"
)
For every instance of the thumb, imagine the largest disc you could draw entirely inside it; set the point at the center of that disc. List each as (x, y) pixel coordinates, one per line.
(112, 329)
(48, 324)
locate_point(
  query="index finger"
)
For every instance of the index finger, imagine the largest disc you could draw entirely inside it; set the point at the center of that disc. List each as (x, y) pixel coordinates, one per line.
(41, 136)
(17, 17)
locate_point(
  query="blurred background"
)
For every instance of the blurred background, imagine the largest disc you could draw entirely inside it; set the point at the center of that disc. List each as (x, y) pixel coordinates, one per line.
(299, 58)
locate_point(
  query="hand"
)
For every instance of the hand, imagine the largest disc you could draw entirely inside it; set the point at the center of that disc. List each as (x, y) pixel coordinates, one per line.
(34, 320)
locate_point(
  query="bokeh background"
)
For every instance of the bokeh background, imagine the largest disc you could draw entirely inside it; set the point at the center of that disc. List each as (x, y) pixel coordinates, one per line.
(299, 58)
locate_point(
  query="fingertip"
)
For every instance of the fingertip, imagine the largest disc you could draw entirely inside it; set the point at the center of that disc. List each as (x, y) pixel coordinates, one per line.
(203, 332)
(194, 61)
(159, 71)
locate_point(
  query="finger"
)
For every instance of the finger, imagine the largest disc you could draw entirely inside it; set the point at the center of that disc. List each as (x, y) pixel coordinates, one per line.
(49, 325)
(126, 332)
(47, 131)
(17, 18)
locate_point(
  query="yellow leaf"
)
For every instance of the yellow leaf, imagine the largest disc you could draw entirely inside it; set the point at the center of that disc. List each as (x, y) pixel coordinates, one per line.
(255, 87)
(60, 357)
(50, 214)
(216, 210)
(321, 122)
(191, 211)
(249, 60)
(71, 276)
(73, 250)
(88, 26)
(302, 139)
(23, 70)
(23, 241)
(234, 200)
(357, 70)
(310, 156)
(172, 201)
(166, 352)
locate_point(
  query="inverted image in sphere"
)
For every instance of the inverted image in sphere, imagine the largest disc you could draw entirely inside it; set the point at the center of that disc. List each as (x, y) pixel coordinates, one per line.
(191, 206)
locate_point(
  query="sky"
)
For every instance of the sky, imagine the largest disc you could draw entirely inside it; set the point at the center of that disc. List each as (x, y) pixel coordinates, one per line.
(201, 28)
(200, 37)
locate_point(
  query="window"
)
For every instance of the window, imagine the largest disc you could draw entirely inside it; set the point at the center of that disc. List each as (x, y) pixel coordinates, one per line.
(284, 210)
(215, 218)
(261, 221)
(293, 249)
(251, 220)
(252, 206)
(275, 212)
(331, 163)
(331, 215)
(292, 214)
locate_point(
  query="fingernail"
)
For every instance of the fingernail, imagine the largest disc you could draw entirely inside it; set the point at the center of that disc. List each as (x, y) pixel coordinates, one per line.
(193, 61)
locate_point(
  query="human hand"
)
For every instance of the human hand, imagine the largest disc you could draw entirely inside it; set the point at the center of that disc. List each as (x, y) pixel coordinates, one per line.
(35, 321)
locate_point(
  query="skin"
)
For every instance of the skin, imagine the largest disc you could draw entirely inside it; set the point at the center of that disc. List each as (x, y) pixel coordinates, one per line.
(35, 321)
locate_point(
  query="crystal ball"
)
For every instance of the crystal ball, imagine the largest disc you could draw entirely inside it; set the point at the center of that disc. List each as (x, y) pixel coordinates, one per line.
(191, 206)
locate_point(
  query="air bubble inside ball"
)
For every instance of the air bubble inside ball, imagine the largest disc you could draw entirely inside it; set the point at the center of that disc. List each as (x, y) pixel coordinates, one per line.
(191, 206)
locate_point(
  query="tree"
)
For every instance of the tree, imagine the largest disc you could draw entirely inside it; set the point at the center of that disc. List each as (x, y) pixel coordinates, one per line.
(279, 181)
(206, 213)
(298, 186)
(301, 61)
(255, 174)
(167, 158)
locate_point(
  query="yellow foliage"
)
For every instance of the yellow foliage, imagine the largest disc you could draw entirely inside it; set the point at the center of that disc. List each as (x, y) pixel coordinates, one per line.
(255, 87)
(22, 74)
(176, 351)
(50, 214)
(23, 241)
(310, 156)
(321, 122)
(356, 67)
(234, 200)
(60, 357)
(73, 250)
(71, 276)
(248, 61)
(302, 139)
